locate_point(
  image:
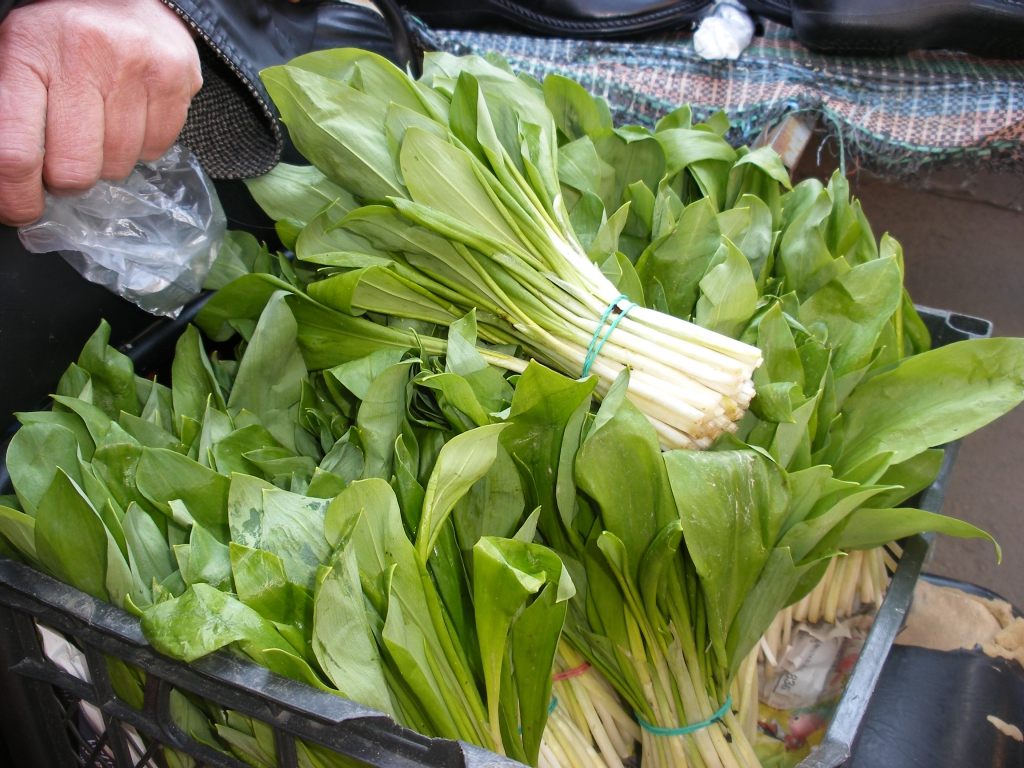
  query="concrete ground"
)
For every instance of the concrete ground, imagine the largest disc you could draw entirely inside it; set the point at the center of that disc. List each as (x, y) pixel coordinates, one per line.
(963, 243)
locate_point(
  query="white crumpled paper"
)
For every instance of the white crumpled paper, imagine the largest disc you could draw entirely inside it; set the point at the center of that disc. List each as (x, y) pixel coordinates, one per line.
(725, 32)
(150, 238)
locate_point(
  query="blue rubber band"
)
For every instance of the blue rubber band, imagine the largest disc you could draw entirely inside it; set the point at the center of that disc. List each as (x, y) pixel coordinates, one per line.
(598, 339)
(687, 728)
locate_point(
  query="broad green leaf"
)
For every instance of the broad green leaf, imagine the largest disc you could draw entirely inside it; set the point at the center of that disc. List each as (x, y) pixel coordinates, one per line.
(70, 539)
(679, 263)
(802, 251)
(164, 475)
(870, 528)
(324, 240)
(269, 380)
(728, 294)
(374, 289)
(244, 298)
(933, 398)
(337, 128)
(192, 378)
(632, 161)
(262, 584)
(150, 553)
(684, 147)
(380, 417)
(855, 306)
(492, 506)
(542, 407)
(768, 160)
(208, 561)
(111, 373)
(69, 420)
(732, 505)
(19, 529)
(297, 192)
(204, 620)
(462, 462)
(578, 165)
(287, 524)
(342, 639)
(587, 218)
(619, 466)
(607, 241)
(441, 176)
(575, 111)
(35, 454)
(912, 475)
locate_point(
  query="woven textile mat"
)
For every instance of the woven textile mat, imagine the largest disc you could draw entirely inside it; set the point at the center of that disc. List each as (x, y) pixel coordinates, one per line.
(896, 116)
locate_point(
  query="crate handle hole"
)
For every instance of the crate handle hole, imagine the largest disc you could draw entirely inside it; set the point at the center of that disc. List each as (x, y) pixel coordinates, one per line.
(973, 325)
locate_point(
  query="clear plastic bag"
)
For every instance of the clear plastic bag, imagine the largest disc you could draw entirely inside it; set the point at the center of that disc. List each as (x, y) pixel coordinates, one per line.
(150, 238)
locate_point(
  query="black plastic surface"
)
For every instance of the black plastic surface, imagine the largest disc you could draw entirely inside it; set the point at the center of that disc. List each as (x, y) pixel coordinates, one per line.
(931, 708)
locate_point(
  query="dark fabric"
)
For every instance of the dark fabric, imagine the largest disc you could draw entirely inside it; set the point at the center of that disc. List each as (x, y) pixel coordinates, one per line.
(232, 125)
(6, 6)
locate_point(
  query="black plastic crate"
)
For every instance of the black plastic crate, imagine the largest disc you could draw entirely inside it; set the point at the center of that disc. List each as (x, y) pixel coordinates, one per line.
(40, 706)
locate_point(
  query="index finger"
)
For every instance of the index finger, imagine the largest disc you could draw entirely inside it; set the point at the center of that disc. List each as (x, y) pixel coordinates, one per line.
(22, 137)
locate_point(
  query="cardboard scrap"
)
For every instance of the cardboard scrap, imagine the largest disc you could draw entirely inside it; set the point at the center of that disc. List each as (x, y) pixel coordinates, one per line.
(945, 619)
(1008, 643)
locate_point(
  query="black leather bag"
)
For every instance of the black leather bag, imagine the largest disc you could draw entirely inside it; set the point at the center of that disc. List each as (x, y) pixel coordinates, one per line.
(987, 28)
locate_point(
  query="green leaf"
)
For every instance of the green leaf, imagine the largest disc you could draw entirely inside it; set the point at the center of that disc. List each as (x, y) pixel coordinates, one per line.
(20, 530)
(192, 378)
(262, 584)
(441, 176)
(728, 294)
(164, 475)
(380, 417)
(933, 398)
(492, 506)
(342, 638)
(69, 420)
(802, 251)
(70, 539)
(768, 160)
(35, 454)
(684, 147)
(374, 289)
(619, 466)
(111, 373)
(542, 408)
(679, 263)
(209, 561)
(462, 461)
(912, 475)
(642, 160)
(855, 306)
(578, 165)
(732, 505)
(870, 528)
(244, 298)
(337, 128)
(296, 192)
(575, 111)
(270, 374)
(148, 546)
(607, 241)
(324, 240)
(287, 524)
(203, 620)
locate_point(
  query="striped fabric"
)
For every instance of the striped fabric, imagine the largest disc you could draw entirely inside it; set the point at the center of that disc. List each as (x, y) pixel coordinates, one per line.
(897, 116)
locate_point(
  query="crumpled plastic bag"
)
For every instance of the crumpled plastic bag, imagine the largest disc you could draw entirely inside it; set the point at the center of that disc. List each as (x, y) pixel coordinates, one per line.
(725, 32)
(150, 238)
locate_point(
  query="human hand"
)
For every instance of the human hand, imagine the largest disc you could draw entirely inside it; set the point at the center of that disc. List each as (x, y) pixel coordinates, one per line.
(87, 88)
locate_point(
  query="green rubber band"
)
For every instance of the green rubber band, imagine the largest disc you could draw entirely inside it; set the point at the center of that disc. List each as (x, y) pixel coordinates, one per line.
(598, 339)
(686, 728)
